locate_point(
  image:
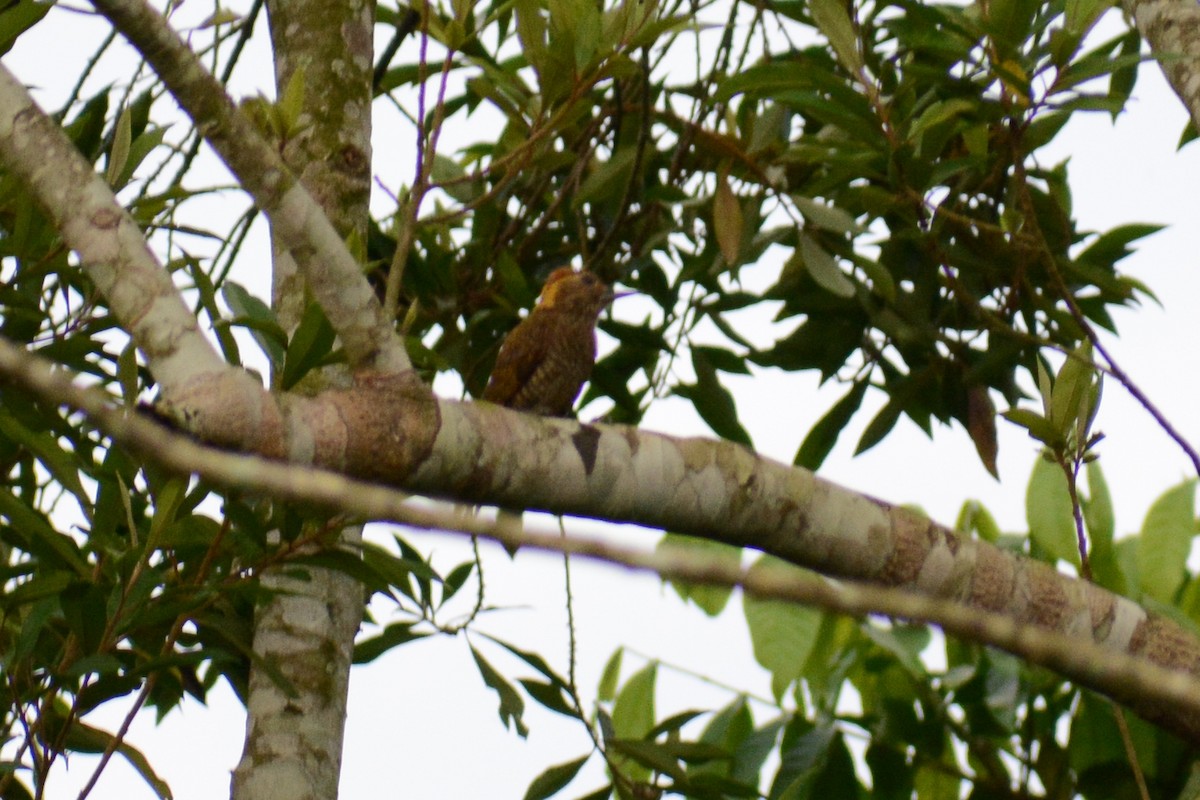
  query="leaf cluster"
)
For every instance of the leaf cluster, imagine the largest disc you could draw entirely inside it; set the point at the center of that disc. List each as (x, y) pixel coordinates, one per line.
(890, 170)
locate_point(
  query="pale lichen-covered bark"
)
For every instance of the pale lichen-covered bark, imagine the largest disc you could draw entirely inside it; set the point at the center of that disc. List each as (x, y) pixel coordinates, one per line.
(297, 222)
(306, 630)
(115, 256)
(1173, 30)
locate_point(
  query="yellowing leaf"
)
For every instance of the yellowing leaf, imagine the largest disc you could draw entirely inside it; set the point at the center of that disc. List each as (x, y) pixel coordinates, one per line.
(981, 424)
(727, 221)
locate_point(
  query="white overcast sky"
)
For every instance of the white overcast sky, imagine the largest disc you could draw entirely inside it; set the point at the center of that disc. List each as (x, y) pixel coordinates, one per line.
(421, 724)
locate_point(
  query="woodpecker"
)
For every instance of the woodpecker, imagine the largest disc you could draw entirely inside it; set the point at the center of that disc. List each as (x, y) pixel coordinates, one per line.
(544, 361)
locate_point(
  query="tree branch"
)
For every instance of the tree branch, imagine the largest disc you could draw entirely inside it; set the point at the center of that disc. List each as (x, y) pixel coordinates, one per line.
(1173, 31)
(1094, 638)
(336, 280)
(115, 256)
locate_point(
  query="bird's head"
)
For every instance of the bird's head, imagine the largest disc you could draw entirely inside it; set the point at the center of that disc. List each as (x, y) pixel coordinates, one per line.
(575, 292)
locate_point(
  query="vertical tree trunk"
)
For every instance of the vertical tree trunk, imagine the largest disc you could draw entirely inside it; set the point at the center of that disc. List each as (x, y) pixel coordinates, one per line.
(306, 630)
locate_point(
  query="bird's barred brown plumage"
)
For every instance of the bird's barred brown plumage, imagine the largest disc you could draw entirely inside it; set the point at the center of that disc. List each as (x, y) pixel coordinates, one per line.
(545, 360)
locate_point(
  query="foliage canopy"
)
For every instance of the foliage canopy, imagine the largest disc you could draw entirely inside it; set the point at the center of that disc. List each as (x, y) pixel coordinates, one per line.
(884, 155)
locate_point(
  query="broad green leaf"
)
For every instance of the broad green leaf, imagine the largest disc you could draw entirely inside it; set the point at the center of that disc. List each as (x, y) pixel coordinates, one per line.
(118, 154)
(823, 267)
(1049, 514)
(799, 763)
(829, 217)
(833, 20)
(607, 689)
(1039, 427)
(550, 694)
(291, 102)
(940, 112)
(311, 343)
(711, 599)
(714, 403)
(782, 634)
(607, 181)
(879, 426)
(553, 779)
(1098, 508)
(824, 435)
(18, 17)
(633, 710)
(258, 317)
(1071, 391)
(512, 707)
(1081, 15)
(974, 518)
(1165, 541)
(394, 635)
(85, 738)
(905, 642)
(39, 537)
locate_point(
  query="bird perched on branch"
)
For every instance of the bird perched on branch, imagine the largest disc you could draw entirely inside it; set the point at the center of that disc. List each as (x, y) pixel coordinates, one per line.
(545, 360)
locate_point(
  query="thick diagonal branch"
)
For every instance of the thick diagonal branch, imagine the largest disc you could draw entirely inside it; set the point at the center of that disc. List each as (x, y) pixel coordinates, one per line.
(336, 280)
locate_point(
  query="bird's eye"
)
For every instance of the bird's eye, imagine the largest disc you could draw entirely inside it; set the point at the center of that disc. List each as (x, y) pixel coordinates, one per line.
(588, 278)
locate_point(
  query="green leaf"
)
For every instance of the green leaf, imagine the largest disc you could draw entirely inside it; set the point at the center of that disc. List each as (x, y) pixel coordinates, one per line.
(607, 688)
(940, 112)
(782, 634)
(18, 17)
(291, 102)
(554, 779)
(1070, 400)
(45, 446)
(1165, 541)
(1049, 512)
(1098, 508)
(1039, 427)
(83, 606)
(711, 599)
(633, 710)
(650, 755)
(550, 694)
(824, 435)
(1081, 15)
(258, 318)
(84, 738)
(833, 20)
(1112, 246)
(141, 147)
(713, 402)
(831, 218)
(309, 346)
(879, 426)
(119, 153)
(393, 636)
(974, 518)
(512, 707)
(607, 181)
(822, 267)
(36, 535)
(532, 659)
